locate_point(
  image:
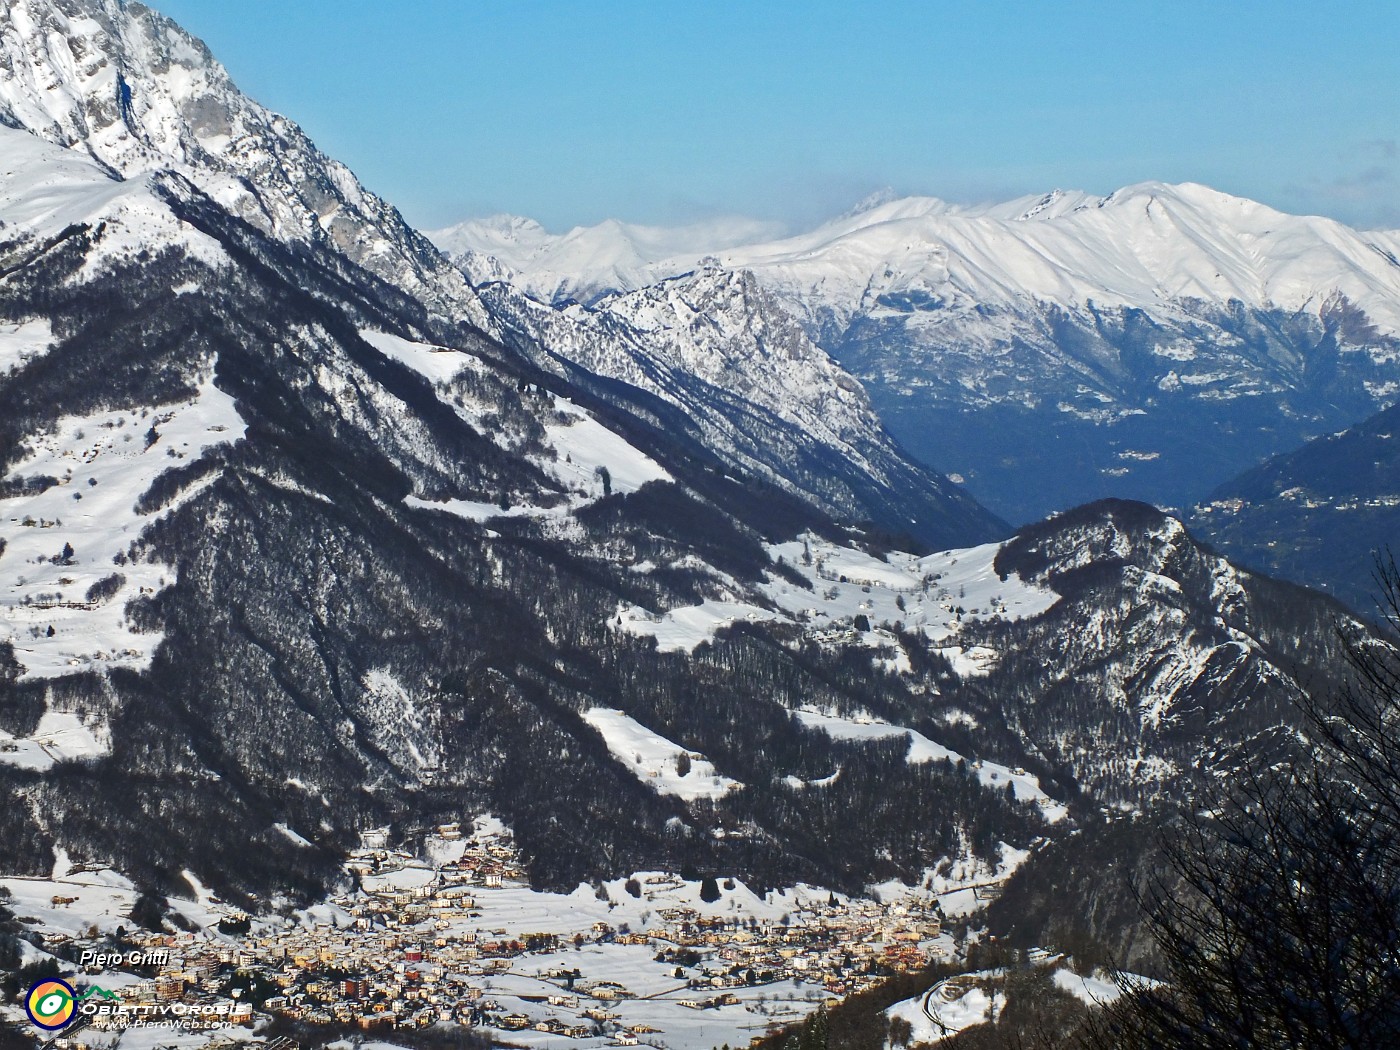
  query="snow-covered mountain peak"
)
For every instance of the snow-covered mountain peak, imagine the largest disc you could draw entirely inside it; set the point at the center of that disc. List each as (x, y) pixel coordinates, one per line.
(1195, 193)
(501, 235)
(132, 89)
(728, 322)
(1037, 206)
(872, 201)
(1144, 246)
(897, 209)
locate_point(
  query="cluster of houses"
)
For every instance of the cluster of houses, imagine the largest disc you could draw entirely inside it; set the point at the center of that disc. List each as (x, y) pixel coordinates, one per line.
(417, 944)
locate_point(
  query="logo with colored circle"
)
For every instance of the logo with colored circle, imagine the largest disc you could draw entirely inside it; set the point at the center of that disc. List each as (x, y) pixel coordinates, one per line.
(49, 1003)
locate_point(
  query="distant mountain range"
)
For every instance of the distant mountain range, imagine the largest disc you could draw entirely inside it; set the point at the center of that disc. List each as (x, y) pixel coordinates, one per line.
(1049, 350)
(590, 261)
(1142, 246)
(1322, 514)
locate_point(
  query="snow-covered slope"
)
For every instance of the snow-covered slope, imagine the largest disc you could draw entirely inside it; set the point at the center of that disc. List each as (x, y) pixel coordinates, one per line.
(657, 761)
(139, 94)
(46, 190)
(65, 578)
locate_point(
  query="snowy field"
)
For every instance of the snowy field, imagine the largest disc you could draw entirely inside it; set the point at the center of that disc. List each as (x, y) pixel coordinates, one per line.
(1091, 991)
(59, 736)
(679, 1027)
(583, 446)
(933, 1015)
(438, 364)
(23, 342)
(681, 630)
(654, 760)
(585, 451)
(933, 596)
(952, 1005)
(62, 541)
(100, 898)
(922, 749)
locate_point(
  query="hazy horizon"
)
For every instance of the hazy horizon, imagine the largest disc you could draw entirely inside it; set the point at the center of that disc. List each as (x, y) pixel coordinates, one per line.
(791, 114)
(782, 229)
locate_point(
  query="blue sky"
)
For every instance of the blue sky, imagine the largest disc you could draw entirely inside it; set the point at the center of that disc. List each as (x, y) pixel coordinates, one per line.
(670, 112)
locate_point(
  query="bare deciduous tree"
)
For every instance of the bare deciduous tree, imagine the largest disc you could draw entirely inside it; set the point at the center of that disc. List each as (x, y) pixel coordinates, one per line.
(1281, 923)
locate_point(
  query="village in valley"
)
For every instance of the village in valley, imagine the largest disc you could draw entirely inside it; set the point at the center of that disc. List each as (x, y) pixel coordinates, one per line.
(456, 936)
